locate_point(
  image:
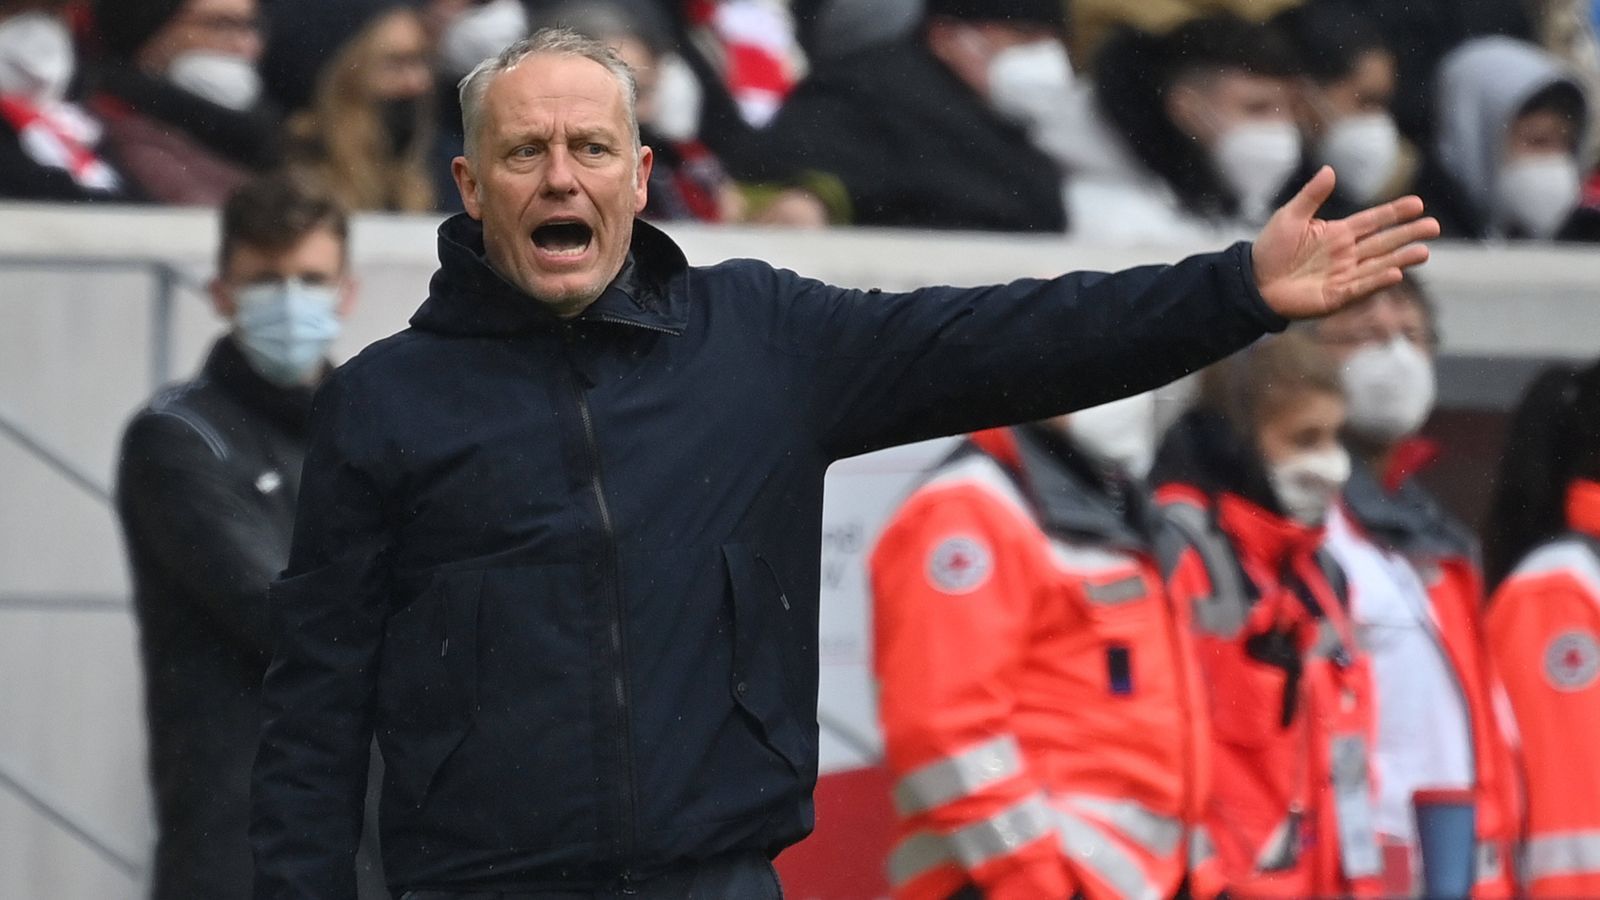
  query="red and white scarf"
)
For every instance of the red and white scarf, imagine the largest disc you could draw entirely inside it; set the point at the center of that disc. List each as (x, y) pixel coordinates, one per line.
(59, 136)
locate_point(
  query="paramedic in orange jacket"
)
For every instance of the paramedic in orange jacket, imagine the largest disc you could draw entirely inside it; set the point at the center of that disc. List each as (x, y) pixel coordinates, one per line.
(1038, 688)
(1543, 626)
(1248, 477)
(1417, 591)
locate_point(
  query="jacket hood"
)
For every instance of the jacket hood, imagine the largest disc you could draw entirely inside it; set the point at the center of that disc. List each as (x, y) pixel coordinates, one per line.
(1482, 84)
(467, 297)
(1073, 499)
(1203, 450)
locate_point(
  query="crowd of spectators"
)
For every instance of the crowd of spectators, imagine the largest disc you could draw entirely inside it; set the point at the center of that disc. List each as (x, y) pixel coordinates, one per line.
(1136, 122)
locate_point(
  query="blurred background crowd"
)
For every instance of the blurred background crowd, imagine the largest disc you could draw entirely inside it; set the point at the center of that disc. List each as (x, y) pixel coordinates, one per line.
(1138, 122)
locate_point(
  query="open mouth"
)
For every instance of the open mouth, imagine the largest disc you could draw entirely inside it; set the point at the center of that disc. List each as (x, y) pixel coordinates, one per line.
(563, 238)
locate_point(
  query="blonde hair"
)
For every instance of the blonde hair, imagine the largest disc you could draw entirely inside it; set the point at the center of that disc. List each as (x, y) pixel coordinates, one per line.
(340, 139)
(1258, 381)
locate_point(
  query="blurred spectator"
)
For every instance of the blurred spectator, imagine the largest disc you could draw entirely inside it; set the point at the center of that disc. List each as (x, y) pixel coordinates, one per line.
(48, 146)
(1249, 478)
(1570, 31)
(359, 73)
(1023, 632)
(206, 489)
(1544, 621)
(1095, 21)
(832, 28)
(1505, 154)
(181, 98)
(1343, 106)
(687, 180)
(1205, 118)
(911, 130)
(1417, 591)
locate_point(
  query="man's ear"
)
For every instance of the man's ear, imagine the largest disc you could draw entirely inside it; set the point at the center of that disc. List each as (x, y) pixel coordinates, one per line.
(467, 184)
(349, 291)
(641, 189)
(222, 299)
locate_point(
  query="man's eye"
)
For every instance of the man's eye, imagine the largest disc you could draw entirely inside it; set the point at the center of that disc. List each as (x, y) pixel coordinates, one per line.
(525, 152)
(594, 149)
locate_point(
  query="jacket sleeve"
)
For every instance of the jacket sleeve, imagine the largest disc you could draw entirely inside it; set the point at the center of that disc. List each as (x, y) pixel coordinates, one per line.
(328, 613)
(953, 607)
(185, 509)
(888, 369)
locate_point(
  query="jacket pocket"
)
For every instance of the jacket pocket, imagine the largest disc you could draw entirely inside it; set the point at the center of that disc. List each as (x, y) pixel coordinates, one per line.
(427, 682)
(770, 664)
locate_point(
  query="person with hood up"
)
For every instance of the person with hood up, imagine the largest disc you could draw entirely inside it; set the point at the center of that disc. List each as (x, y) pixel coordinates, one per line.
(181, 97)
(358, 74)
(1509, 123)
(911, 131)
(1205, 137)
(48, 145)
(1029, 654)
(1417, 592)
(1248, 478)
(1544, 622)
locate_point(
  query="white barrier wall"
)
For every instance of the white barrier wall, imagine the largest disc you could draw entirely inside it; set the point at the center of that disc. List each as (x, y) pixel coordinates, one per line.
(80, 331)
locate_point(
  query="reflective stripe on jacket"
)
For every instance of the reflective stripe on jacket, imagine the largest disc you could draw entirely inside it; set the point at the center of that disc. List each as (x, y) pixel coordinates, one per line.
(1035, 684)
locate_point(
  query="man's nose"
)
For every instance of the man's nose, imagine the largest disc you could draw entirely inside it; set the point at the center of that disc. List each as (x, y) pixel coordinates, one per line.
(559, 177)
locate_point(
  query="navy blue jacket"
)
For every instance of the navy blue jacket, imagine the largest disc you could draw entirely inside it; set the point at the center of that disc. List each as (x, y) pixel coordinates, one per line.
(568, 570)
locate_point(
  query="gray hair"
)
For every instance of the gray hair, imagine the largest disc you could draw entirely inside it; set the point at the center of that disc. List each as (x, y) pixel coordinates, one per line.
(553, 42)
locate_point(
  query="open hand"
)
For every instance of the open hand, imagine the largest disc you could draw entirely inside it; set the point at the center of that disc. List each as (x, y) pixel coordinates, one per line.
(1307, 267)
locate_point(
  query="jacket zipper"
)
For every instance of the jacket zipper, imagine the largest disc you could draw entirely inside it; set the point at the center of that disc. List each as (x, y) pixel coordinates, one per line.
(616, 636)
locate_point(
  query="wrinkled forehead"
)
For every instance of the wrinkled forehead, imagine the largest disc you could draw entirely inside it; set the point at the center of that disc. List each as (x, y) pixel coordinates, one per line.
(546, 92)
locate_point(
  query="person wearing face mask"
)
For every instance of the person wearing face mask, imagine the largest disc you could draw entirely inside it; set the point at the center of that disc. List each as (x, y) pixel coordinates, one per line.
(1543, 624)
(358, 74)
(48, 145)
(207, 480)
(1203, 134)
(1248, 477)
(1509, 119)
(1343, 102)
(1033, 669)
(1418, 592)
(177, 87)
(931, 131)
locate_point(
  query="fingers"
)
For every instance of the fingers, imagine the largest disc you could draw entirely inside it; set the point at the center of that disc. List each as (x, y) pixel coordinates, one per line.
(1304, 205)
(1370, 284)
(1381, 272)
(1380, 217)
(1389, 239)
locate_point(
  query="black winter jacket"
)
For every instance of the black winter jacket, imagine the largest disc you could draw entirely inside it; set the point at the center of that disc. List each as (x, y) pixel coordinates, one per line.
(568, 570)
(206, 489)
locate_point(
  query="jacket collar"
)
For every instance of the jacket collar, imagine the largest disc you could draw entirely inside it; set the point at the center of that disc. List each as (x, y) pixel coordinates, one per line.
(289, 408)
(1408, 519)
(1264, 535)
(469, 298)
(1069, 494)
(1204, 451)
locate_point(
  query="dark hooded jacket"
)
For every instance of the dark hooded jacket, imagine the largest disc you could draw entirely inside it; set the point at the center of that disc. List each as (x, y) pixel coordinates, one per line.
(567, 569)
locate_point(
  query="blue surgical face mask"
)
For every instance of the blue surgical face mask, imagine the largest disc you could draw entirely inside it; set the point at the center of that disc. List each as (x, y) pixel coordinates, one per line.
(285, 328)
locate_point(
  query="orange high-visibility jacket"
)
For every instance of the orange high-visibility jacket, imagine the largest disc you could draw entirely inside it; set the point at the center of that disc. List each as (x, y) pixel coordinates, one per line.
(1289, 690)
(1038, 688)
(1544, 635)
(1408, 522)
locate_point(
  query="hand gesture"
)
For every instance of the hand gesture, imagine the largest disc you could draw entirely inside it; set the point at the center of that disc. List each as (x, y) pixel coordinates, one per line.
(1307, 267)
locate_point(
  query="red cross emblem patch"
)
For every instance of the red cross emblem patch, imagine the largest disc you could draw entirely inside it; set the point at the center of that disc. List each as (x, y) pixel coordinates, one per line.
(960, 565)
(1572, 660)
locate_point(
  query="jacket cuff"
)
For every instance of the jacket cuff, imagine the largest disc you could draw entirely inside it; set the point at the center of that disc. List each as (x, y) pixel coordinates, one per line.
(1245, 271)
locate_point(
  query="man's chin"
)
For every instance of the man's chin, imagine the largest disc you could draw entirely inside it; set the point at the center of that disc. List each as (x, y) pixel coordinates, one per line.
(565, 296)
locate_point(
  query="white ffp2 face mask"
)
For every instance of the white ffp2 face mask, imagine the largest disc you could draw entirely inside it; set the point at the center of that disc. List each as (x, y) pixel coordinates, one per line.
(479, 33)
(1254, 160)
(1307, 484)
(1120, 434)
(675, 106)
(1390, 388)
(1363, 151)
(36, 56)
(1028, 81)
(224, 79)
(1539, 193)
